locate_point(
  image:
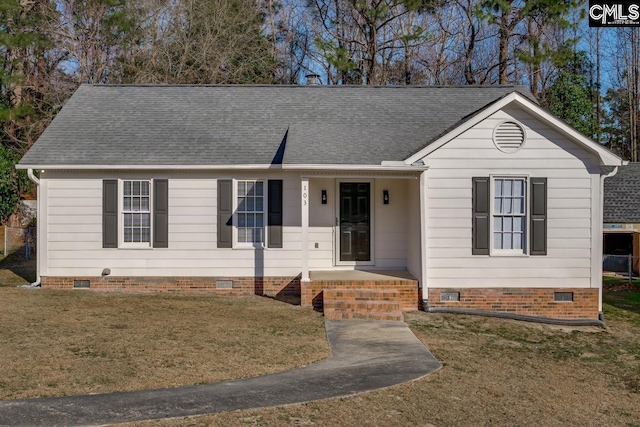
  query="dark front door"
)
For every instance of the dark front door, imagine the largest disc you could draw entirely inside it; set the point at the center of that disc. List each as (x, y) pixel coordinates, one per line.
(355, 221)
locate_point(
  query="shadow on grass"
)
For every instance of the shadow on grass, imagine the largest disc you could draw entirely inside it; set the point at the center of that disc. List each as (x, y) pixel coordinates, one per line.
(628, 300)
(16, 271)
(621, 293)
(289, 294)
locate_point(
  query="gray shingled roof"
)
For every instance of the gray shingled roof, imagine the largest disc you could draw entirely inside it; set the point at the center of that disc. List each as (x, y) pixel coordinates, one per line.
(622, 195)
(219, 125)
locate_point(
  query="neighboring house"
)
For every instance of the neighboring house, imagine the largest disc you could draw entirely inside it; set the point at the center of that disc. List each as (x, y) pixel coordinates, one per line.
(622, 217)
(467, 199)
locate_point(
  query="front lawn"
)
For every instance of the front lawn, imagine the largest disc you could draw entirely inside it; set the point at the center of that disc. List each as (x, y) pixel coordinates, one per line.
(496, 372)
(55, 343)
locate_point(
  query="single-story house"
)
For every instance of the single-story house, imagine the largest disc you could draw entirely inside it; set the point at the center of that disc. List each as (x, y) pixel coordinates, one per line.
(621, 218)
(456, 199)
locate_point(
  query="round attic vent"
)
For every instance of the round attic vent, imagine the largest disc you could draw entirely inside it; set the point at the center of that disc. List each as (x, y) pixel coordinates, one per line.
(508, 137)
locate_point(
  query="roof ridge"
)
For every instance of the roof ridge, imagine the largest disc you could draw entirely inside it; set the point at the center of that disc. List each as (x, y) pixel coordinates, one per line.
(169, 85)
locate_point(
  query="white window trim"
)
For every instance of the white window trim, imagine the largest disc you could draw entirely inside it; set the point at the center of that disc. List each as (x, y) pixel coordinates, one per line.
(133, 245)
(527, 217)
(265, 209)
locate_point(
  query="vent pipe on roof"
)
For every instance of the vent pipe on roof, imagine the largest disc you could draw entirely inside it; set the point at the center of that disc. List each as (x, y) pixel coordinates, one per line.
(313, 79)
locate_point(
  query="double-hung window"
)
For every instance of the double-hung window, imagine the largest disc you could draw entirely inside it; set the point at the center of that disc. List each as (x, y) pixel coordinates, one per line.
(136, 212)
(250, 212)
(509, 215)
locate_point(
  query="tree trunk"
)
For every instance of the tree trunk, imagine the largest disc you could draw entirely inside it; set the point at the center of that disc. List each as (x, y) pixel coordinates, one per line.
(503, 46)
(469, 51)
(372, 53)
(534, 78)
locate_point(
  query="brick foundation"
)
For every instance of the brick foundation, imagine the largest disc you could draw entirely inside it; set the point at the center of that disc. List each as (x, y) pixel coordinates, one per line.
(537, 302)
(407, 291)
(270, 286)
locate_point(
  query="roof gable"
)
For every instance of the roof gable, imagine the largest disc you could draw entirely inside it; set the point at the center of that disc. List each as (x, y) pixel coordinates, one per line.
(606, 157)
(622, 195)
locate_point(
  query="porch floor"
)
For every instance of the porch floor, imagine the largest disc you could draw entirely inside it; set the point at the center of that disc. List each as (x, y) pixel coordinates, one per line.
(359, 275)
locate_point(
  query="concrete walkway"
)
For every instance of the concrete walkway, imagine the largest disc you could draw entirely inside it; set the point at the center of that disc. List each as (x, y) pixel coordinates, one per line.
(366, 355)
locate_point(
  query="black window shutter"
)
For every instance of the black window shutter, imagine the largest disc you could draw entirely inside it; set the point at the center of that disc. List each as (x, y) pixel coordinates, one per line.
(481, 217)
(225, 212)
(538, 245)
(275, 213)
(110, 213)
(160, 213)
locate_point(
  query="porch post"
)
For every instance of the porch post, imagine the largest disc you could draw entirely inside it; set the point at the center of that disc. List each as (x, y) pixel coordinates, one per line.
(424, 256)
(304, 200)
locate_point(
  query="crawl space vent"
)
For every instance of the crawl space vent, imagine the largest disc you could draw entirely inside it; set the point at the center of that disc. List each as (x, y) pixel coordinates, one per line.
(508, 137)
(563, 296)
(224, 284)
(81, 283)
(450, 296)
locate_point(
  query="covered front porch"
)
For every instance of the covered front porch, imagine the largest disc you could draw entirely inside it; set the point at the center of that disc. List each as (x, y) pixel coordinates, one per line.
(362, 241)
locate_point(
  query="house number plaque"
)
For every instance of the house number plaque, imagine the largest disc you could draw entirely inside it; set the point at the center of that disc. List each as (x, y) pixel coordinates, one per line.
(304, 195)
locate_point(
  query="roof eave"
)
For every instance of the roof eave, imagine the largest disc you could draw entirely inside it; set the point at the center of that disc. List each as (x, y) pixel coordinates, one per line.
(343, 167)
(288, 167)
(53, 166)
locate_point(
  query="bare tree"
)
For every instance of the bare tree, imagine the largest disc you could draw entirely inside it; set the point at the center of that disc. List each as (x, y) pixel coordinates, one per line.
(205, 41)
(286, 28)
(361, 40)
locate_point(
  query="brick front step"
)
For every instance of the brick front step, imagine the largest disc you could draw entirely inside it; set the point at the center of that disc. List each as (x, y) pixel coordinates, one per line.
(372, 304)
(362, 306)
(313, 293)
(365, 316)
(361, 294)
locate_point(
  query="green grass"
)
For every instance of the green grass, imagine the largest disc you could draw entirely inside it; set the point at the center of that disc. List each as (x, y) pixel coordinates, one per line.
(617, 280)
(622, 301)
(16, 271)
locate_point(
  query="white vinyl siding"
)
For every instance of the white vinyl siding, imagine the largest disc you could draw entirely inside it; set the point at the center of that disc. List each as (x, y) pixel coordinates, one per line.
(414, 250)
(74, 230)
(392, 223)
(546, 153)
(322, 220)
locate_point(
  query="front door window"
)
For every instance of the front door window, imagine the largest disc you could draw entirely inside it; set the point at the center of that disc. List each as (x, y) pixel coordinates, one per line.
(355, 221)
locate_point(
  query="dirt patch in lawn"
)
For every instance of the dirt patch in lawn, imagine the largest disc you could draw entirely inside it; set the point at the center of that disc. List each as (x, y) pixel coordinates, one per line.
(496, 372)
(619, 283)
(56, 343)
